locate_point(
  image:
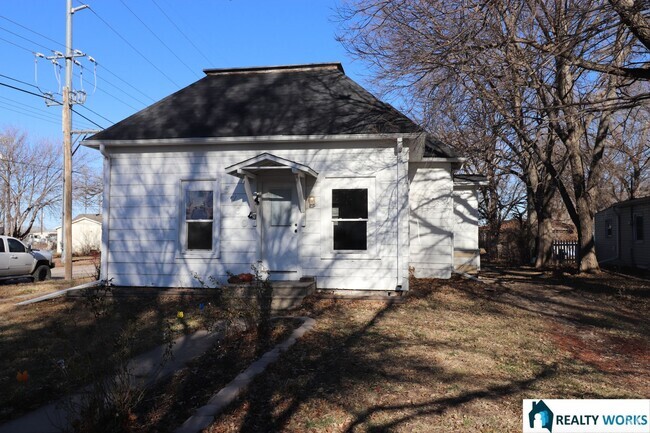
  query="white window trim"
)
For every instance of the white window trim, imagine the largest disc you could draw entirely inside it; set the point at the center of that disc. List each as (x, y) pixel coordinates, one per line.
(327, 237)
(181, 252)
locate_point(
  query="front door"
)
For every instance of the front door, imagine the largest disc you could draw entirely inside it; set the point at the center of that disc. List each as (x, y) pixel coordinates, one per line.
(280, 220)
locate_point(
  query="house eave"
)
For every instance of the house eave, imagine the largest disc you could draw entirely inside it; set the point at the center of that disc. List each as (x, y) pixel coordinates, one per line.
(246, 140)
(425, 160)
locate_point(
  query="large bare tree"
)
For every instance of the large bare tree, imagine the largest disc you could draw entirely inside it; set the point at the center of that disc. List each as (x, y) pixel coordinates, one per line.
(521, 58)
(30, 176)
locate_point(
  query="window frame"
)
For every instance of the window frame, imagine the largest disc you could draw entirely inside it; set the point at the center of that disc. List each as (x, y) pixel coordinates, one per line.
(198, 185)
(635, 227)
(609, 227)
(18, 243)
(327, 228)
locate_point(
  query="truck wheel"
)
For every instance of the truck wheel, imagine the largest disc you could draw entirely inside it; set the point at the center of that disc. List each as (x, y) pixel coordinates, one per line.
(42, 273)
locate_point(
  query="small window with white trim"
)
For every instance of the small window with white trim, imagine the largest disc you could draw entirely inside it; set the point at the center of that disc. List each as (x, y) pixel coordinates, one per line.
(348, 218)
(199, 229)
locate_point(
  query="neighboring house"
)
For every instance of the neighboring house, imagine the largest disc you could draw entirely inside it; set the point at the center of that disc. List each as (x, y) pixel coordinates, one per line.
(86, 234)
(41, 240)
(296, 169)
(622, 234)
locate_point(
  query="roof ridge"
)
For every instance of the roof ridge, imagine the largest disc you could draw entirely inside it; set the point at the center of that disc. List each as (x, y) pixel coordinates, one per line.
(266, 69)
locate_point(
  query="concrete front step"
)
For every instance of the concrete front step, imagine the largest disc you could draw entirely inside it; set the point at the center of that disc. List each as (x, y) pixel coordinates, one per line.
(285, 294)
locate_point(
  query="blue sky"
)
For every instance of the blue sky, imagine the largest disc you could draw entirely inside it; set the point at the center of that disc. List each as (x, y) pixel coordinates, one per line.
(147, 49)
(138, 66)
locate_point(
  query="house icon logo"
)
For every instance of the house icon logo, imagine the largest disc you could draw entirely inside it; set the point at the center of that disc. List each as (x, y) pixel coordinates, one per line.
(541, 416)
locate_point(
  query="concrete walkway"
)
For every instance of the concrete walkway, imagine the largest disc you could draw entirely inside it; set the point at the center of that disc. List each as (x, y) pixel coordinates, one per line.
(205, 415)
(146, 369)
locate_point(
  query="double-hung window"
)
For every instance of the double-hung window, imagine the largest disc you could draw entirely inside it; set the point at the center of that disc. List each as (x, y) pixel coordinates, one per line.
(199, 231)
(348, 218)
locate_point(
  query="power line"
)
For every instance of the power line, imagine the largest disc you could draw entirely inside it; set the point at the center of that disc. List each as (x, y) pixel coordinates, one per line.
(41, 112)
(18, 81)
(160, 40)
(16, 45)
(134, 48)
(181, 31)
(113, 96)
(97, 114)
(51, 99)
(94, 123)
(27, 39)
(24, 112)
(92, 111)
(104, 67)
(128, 84)
(31, 93)
(33, 31)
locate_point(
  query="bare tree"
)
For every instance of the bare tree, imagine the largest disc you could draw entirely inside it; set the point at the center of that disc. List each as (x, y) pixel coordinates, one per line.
(31, 180)
(87, 187)
(521, 59)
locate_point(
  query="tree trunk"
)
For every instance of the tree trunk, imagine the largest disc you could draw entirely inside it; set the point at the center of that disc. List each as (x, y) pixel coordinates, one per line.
(545, 241)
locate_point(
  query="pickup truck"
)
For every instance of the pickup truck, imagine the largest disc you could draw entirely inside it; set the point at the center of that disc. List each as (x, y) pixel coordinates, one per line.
(19, 261)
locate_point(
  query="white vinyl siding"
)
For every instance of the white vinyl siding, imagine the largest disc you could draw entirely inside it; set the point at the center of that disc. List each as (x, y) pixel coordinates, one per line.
(431, 220)
(145, 210)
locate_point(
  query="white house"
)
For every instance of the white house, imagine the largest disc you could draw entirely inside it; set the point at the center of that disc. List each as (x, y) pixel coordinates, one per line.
(296, 169)
(86, 234)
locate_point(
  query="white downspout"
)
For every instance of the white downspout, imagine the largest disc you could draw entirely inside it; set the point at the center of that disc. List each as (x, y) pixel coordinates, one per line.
(399, 146)
(106, 216)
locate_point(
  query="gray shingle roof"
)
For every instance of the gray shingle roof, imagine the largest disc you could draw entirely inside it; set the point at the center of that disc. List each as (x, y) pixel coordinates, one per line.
(434, 148)
(290, 100)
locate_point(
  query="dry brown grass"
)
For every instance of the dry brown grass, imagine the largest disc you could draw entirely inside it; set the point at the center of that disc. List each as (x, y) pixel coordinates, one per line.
(455, 357)
(35, 337)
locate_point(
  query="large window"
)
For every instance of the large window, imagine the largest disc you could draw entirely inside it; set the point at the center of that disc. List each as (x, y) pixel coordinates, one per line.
(350, 219)
(199, 231)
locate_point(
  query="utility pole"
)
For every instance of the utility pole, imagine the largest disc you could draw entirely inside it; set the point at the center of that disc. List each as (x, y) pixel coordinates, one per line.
(67, 139)
(70, 97)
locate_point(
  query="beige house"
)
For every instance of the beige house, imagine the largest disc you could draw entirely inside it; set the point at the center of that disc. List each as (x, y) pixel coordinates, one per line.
(86, 234)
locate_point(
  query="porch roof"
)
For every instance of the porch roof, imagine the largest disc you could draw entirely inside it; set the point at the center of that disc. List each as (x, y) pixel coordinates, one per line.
(268, 162)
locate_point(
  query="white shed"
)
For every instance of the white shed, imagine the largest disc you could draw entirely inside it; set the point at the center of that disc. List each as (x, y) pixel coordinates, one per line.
(86, 234)
(295, 169)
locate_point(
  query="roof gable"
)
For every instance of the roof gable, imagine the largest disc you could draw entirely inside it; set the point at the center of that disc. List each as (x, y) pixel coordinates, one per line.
(288, 100)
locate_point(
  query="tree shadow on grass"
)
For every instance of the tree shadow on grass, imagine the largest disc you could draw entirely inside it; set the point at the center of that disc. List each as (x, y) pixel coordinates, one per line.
(331, 365)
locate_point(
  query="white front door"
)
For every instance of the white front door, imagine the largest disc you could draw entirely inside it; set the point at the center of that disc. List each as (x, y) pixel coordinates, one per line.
(280, 226)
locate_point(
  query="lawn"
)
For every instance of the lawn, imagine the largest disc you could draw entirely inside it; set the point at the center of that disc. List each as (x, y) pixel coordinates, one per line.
(62, 343)
(457, 356)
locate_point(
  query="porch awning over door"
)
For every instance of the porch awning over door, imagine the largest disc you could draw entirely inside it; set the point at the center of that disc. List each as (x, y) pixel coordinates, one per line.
(267, 163)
